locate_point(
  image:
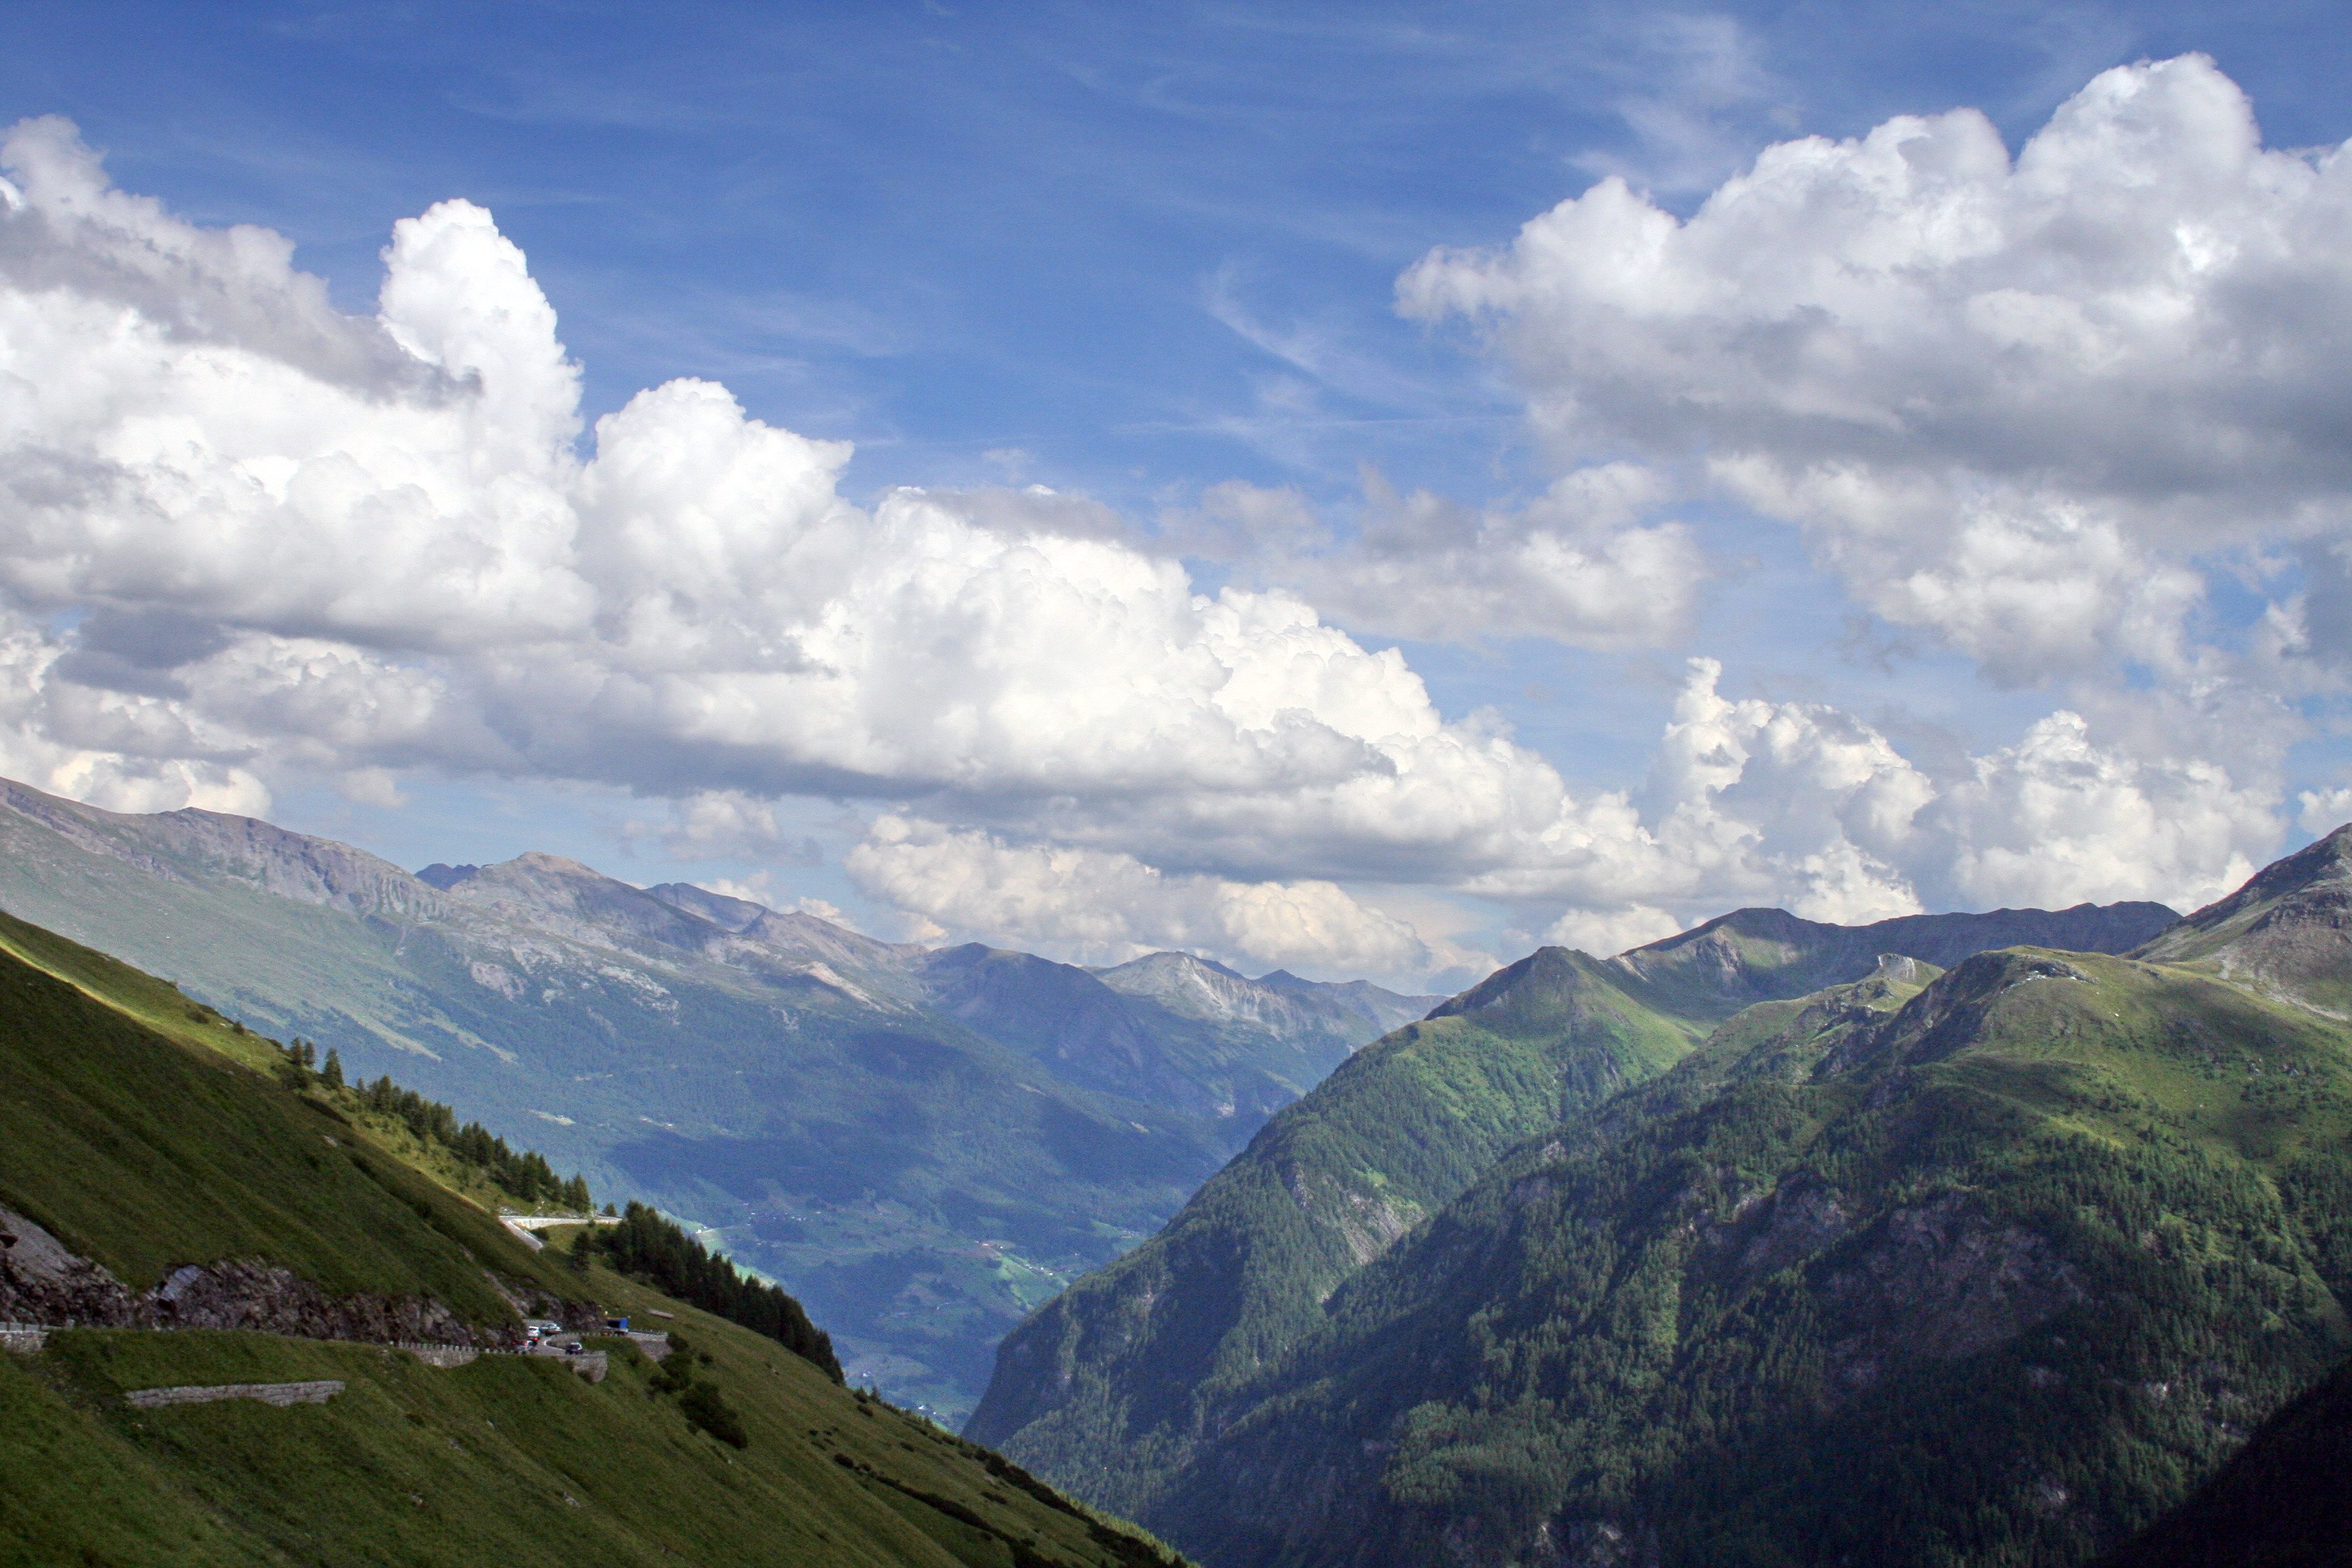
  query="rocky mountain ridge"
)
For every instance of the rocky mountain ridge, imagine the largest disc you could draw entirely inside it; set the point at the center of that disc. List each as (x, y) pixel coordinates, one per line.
(921, 1144)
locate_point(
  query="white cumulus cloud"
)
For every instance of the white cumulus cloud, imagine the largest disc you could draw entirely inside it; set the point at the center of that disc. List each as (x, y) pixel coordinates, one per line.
(2006, 398)
(1106, 908)
(1575, 567)
(2057, 818)
(244, 537)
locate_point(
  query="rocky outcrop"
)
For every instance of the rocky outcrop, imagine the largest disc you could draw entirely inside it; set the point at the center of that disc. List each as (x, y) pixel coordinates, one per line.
(1943, 1280)
(44, 1281)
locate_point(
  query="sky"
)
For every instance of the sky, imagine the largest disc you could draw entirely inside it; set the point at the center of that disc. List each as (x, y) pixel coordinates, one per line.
(1359, 489)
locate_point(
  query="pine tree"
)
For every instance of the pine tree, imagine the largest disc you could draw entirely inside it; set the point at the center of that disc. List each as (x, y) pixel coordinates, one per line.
(333, 1071)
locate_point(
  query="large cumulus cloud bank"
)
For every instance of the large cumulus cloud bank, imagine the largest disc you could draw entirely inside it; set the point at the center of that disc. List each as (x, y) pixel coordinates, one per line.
(245, 537)
(2009, 400)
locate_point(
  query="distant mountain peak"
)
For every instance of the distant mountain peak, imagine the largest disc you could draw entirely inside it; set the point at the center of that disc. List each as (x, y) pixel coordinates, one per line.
(546, 864)
(1758, 954)
(445, 877)
(2287, 932)
(1538, 980)
(1175, 962)
(2323, 863)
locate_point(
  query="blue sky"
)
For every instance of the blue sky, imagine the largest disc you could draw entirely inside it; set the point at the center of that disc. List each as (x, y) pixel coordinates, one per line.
(1134, 254)
(942, 231)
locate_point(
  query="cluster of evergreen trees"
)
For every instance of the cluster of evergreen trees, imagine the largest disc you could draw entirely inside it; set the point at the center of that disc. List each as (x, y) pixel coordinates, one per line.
(644, 1244)
(524, 1176)
(650, 1248)
(699, 1399)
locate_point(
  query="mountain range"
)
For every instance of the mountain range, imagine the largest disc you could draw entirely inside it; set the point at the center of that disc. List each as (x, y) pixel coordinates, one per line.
(921, 1143)
(1955, 1239)
(1110, 1386)
(1961, 1240)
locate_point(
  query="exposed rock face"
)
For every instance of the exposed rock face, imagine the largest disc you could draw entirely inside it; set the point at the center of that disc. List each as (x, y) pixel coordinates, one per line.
(1370, 1225)
(1591, 1543)
(43, 1281)
(1943, 1282)
(1796, 1223)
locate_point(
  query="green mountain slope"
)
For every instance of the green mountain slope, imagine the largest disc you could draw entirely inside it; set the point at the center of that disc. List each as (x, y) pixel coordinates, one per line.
(139, 1133)
(921, 1145)
(144, 1151)
(1105, 1388)
(2280, 1502)
(1984, 1267)
(1109, 1388)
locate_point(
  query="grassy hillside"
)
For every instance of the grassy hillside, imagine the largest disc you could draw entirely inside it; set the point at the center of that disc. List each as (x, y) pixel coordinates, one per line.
(133, 1129)
(143, 1150)
(510, 1460)
(1987, 1272)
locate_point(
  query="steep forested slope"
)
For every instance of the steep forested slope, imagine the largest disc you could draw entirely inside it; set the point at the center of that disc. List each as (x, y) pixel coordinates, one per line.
(154, 1168)
(2281, 1502)
(1109, 1387)
(1989, 1267)
(1103, 1388)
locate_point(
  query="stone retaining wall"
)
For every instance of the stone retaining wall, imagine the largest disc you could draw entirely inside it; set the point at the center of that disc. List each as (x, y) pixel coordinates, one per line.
(25, 1339)
(266, 1393)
